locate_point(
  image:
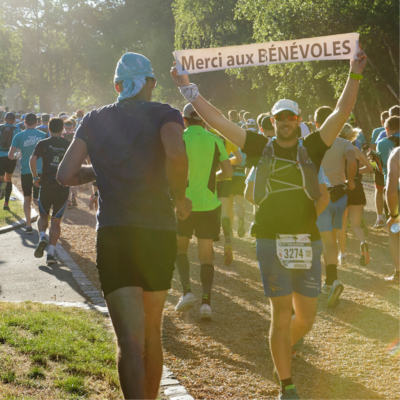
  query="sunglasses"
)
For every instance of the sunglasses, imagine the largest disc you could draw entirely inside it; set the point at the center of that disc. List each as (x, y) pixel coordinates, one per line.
(290, 117)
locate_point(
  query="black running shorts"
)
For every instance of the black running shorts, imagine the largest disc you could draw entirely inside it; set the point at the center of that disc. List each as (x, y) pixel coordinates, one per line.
(27, 185)
(356, 197)
(138, 257)
(204, 224)
(238, 185)
(7, 166)
(379, 179)
(53, 197)
(224, 188)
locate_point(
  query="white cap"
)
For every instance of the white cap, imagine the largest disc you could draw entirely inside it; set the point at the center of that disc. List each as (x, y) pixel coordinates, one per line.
(190, 112)
(285, 105)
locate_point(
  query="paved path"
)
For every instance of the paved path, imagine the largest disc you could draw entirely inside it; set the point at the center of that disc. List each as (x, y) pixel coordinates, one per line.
(24, 277)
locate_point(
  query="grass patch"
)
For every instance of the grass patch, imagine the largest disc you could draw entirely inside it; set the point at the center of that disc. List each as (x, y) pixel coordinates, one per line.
(16, 213)
(67, 350)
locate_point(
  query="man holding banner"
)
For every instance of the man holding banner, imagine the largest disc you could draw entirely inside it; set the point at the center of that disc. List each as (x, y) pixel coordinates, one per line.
(286, 220)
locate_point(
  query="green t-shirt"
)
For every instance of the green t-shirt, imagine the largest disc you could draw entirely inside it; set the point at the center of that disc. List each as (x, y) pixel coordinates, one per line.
(205, 151)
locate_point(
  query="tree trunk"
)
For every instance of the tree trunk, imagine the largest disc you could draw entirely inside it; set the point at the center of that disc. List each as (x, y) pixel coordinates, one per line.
(384, 80)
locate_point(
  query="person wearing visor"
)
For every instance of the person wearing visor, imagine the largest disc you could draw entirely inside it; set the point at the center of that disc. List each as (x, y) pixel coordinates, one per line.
(139, 162)
(288, 241)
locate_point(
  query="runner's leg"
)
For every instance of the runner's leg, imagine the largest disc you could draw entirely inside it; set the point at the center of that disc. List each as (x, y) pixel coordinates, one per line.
(342, 233)
(55, 230)
(126, 309)
(394, 241)
(8, 180)
(27, 210)
(355, 215)
(379, 203)
(226, 228)
(206, 268)
(230, 210)
(305, 312)
(280, 335)
(182, 263)
(153, 354)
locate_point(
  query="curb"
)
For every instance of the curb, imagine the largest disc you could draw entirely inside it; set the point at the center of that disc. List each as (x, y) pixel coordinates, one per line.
(18, 224)
(170, 387)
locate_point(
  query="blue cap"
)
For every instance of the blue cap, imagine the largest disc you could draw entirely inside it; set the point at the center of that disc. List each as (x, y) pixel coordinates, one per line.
(10, 115)
(23, 116)
(133, 65)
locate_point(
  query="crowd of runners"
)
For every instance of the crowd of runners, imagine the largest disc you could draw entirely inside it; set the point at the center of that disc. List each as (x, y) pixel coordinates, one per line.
(159, 176)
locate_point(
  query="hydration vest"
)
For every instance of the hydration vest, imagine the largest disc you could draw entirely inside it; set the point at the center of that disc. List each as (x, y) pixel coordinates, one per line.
(6, 136)
(266, 173)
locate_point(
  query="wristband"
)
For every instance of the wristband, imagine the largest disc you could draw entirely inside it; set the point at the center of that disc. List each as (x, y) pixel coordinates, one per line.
(35, 179)
(356, 76)
(394, 216)
(190, 92)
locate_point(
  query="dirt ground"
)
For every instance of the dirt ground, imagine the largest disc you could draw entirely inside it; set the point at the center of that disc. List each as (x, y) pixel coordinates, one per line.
(345, 356)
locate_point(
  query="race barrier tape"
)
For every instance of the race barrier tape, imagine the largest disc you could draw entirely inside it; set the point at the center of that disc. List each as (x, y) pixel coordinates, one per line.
(336, 47)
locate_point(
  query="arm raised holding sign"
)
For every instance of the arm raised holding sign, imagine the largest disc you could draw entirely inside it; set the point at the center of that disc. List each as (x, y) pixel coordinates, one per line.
(329, 130)
(208, 112)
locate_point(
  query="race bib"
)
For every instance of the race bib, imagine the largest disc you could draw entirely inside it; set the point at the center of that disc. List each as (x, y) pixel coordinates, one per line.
(294, 251)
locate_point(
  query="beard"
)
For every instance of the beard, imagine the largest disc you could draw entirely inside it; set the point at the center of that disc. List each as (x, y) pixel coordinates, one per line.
(296, 133)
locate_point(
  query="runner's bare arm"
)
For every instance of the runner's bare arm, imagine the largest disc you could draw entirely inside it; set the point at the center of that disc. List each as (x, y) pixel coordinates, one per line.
(211, 115)
(33, 167)
(334, 123)
(367, 167)
(238, 159)
(226, 171)
(177, 166)
(323, 202)
(71, 172)
(11, 152)
(351, 168)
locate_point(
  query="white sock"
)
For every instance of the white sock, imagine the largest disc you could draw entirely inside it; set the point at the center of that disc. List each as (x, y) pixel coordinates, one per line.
(380, 217)
(51, 250)
(42, 235)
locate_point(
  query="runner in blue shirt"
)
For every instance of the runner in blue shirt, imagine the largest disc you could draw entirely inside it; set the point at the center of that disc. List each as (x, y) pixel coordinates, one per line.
(26, 142)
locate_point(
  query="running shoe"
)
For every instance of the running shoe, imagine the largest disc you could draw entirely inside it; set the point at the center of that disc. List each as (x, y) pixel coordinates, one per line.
(69, 205)
(6, 207)
(290, 394)
(40, 248)
(242, 230)
(228, 253)
(74, 203)
(29, 231)
(379, 224)
(2, 190)
(364, 259)
(336, 290)
(50, 259)
(393, 278)
(326, 289)
(205, 312)
(185, 303)
(342, 259)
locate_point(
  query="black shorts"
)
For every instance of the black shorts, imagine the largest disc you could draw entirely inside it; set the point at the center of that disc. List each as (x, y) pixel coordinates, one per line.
(379, 179)
(204, 224)
(356, 197)
(7, 166)
(224, 188)
(131, 256)
(238, 185)
(27, 185)
(53, 197)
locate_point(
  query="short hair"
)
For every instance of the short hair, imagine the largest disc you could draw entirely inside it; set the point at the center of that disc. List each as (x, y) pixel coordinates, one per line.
(233, 114)
(384, 116)
(348, 133)
(266, 123)
(62, 114)
(321, 114)
(395, 110)
(260, 117)
(31, 119)
(69, 123)
(56, 125)
(247, 115)
(45, 118)
(241, 113)
(392, 123)
(80, 113)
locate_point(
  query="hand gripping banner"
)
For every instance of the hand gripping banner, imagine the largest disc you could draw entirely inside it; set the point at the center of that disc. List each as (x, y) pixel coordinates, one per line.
(336, 47)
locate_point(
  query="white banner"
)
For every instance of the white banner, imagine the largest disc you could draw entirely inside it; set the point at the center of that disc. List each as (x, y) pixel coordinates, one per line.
(336, 47)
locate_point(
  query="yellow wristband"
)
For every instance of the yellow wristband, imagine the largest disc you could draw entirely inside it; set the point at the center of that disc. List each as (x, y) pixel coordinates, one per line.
(356, 76)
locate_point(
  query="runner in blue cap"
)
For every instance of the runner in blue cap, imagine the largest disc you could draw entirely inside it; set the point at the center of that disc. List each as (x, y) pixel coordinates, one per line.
(139, 161)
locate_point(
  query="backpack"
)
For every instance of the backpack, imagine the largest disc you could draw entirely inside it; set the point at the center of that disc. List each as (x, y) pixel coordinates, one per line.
(309, 173)
(6, 136)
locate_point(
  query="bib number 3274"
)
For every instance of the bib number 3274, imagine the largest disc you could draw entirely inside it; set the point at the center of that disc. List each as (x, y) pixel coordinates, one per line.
(294, 251)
